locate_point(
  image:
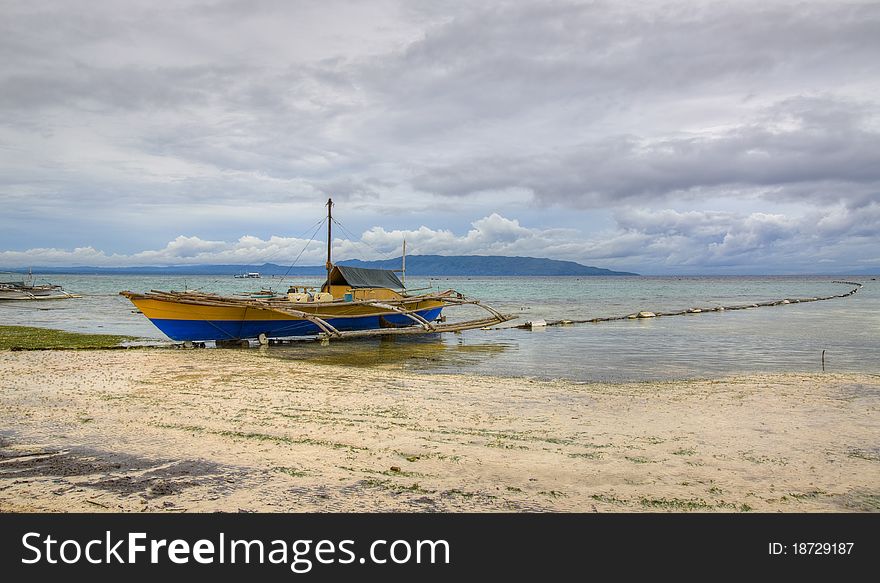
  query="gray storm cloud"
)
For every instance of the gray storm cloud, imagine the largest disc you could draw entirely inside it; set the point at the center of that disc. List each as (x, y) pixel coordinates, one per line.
(650, 136)
(800, 144)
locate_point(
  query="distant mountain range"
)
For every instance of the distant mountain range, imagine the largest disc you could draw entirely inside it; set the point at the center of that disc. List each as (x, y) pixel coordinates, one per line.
(426, 265)
(416, 265)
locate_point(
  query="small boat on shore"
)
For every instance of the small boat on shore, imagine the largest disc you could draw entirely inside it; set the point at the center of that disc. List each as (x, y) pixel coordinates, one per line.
(27, 289)
(352, 302)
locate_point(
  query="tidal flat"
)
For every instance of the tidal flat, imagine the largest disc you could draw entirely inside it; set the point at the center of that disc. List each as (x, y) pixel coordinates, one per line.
(164, 430)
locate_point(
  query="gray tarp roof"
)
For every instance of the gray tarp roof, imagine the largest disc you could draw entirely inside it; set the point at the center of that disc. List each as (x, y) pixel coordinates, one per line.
(361, 277)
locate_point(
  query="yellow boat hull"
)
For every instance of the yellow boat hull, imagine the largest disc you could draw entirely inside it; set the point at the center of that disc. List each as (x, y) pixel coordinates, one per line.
(187, 320)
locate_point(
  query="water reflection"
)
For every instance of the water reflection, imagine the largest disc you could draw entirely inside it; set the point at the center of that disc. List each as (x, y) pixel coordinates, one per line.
(425, 353)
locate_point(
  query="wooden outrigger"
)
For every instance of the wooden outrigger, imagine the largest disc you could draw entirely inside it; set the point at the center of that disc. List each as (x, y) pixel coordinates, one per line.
(330, 319)
(28, 289)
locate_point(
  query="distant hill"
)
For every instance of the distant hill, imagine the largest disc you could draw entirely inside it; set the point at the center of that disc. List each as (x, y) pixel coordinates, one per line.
(416, 265)
(426, 265)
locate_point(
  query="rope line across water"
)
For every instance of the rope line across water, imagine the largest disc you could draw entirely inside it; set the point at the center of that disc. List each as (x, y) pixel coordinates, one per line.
(647, 314)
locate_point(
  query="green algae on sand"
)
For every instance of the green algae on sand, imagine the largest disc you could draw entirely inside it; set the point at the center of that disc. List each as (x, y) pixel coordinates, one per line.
(29, 338)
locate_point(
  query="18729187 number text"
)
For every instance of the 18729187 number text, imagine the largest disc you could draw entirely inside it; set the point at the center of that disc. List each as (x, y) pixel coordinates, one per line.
(822, 548)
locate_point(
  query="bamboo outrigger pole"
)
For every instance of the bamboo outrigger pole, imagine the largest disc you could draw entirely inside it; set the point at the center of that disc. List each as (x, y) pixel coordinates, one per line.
(329, 239)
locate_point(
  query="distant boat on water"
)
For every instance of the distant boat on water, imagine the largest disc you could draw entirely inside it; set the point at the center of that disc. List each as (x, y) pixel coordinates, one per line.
(353, 301)
(248, 275)
(27, 289)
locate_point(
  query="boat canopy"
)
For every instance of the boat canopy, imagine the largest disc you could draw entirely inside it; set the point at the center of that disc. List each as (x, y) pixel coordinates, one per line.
(360, 277)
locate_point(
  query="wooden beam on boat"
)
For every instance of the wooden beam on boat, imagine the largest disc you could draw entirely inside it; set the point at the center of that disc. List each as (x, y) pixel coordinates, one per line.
(408, 313)
(438, 329)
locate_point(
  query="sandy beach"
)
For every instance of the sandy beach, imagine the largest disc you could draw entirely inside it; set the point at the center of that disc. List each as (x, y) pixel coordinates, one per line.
(162, 430)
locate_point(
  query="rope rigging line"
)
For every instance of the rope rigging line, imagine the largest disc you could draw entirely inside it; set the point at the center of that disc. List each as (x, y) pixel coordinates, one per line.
(315, 234)
(314, 227)
(300, 236)
(353, 237)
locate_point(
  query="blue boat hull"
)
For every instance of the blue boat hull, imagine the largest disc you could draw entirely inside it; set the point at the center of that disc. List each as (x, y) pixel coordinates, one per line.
(200, 330)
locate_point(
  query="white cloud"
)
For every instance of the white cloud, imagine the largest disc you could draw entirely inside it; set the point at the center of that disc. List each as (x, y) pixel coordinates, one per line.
(665, 241)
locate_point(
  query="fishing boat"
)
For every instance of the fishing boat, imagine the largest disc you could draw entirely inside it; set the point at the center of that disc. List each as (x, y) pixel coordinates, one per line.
(248, 275)
(352, 302)
(27, 289)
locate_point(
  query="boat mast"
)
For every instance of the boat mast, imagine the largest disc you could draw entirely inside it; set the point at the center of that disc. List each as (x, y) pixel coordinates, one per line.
(403, 269)
(329, 239)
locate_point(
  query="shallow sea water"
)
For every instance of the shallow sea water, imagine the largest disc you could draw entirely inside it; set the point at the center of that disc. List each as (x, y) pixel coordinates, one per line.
(770, 339)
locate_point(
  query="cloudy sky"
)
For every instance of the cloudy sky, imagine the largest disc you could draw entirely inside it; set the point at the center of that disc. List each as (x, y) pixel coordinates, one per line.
(657, 137)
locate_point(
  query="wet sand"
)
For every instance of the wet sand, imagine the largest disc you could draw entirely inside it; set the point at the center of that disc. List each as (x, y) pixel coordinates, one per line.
(237, 430)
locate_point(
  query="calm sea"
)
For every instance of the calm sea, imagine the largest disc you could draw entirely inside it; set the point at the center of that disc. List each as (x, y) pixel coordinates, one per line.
(773, 339)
